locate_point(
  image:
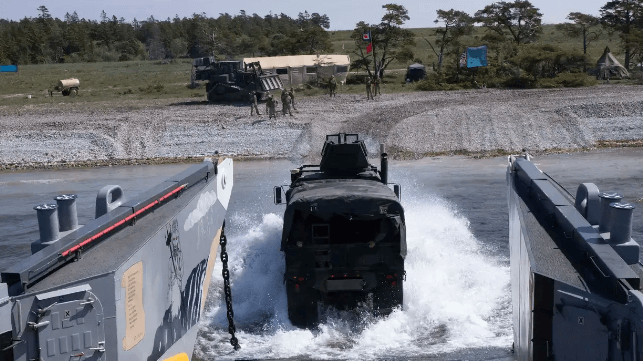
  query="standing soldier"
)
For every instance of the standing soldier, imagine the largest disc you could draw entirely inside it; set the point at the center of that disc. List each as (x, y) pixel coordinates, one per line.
(332, 85)
(270, 107)
(376, 86)
(285, 100)
(369, 89)
(291, 93)
(253, 103)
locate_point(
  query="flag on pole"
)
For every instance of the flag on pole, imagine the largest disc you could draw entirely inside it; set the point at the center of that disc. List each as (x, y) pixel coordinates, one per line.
(476, 56)
(366, 36)
(369, 48)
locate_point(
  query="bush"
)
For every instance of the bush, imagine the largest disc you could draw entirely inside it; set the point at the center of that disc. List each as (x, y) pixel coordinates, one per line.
(73, 58)
(102, 53)
(354, 79)
(568, 80)
(158, 88)
(436, 82)
(520, 82)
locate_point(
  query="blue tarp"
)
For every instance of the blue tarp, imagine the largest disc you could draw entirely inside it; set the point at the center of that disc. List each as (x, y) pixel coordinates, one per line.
(477, 56)
(8, 68)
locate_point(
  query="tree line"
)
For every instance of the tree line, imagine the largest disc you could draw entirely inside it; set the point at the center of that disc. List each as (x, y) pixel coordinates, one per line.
(512, 31)
(45, 39)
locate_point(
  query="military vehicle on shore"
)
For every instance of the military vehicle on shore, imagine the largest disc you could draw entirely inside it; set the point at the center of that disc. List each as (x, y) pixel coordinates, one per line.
(344, 235)
(575, 270)
(233, 80)
(68, 87)
(130, 284)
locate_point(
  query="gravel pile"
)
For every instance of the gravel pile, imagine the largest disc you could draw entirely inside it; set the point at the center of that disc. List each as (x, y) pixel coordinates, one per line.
(411, 125)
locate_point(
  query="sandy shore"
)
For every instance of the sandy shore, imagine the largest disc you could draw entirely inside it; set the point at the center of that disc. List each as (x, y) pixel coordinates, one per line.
(413, 125)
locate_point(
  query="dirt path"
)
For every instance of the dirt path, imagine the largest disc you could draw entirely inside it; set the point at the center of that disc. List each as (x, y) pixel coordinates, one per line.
(411, 125)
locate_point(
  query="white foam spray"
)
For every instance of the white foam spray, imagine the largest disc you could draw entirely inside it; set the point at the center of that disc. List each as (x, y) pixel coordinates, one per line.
(455, 297)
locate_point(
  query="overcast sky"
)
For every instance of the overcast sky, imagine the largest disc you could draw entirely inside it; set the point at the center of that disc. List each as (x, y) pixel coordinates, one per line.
(343, 14)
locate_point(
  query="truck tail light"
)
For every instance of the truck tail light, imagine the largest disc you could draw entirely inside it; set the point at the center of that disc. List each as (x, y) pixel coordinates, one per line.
(391, 280)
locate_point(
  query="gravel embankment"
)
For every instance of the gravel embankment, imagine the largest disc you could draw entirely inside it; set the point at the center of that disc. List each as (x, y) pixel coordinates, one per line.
(411, 125)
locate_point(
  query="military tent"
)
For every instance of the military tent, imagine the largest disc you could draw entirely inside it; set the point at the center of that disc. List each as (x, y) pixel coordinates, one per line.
(607, 66)
(298, 69)
(415, 72)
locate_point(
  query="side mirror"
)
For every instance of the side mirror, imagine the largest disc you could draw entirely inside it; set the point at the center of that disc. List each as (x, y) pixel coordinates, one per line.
(278, 199)
(398, 191)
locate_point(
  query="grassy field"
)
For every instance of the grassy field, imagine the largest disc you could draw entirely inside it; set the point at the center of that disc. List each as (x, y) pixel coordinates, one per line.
(100, 82)
(344, 45)
(134, 81)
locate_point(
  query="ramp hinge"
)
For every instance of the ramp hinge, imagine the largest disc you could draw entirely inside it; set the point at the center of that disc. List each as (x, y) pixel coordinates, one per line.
(100, 348)
(41, 311)
(36, 326)
(89, 301)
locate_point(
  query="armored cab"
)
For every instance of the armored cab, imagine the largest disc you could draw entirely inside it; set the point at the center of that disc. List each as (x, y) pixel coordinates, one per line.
(234, 80)
(344, 236)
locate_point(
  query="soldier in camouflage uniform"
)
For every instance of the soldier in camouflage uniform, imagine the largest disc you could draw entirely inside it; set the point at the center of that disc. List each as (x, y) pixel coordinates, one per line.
(291, 93)
(332, 85)
(369, 88)
(285, 103)
(376, 86)
(253, 103)
(271, 104)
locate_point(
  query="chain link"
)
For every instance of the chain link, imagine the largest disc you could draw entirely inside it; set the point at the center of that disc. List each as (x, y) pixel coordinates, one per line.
(226, 289)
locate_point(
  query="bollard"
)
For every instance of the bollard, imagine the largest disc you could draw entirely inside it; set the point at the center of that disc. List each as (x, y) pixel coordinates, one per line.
(606, 199)
(621, 222)
(47, 222)
(67, 216)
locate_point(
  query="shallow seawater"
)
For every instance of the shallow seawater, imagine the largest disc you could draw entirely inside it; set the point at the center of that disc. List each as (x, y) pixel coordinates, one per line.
(455, 297)
(457, 302)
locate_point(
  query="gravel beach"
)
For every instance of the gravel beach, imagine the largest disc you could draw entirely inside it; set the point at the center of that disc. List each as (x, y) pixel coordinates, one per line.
(412, 125)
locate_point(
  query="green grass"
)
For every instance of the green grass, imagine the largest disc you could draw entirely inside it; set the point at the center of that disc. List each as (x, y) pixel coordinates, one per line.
(423, 52)
(114, 81)
(143, 81)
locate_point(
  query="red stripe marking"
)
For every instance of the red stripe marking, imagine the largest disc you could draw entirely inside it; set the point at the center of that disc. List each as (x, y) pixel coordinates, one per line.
(121, 222)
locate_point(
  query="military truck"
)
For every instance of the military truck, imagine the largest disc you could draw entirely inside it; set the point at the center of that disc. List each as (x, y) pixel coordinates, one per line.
(344, 234)
(234, 80)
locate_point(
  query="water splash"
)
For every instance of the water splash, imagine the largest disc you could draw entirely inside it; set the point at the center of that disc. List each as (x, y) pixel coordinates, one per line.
(455, 297)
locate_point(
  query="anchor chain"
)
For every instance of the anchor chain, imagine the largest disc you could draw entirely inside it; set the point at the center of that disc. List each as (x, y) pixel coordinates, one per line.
(226, 289)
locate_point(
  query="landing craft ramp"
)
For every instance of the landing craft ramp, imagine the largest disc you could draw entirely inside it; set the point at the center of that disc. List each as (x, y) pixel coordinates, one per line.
(131, 284)
(575, 271)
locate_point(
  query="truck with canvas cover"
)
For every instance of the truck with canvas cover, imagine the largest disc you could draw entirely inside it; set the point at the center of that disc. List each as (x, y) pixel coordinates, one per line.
(344, 234)
(234, 80)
